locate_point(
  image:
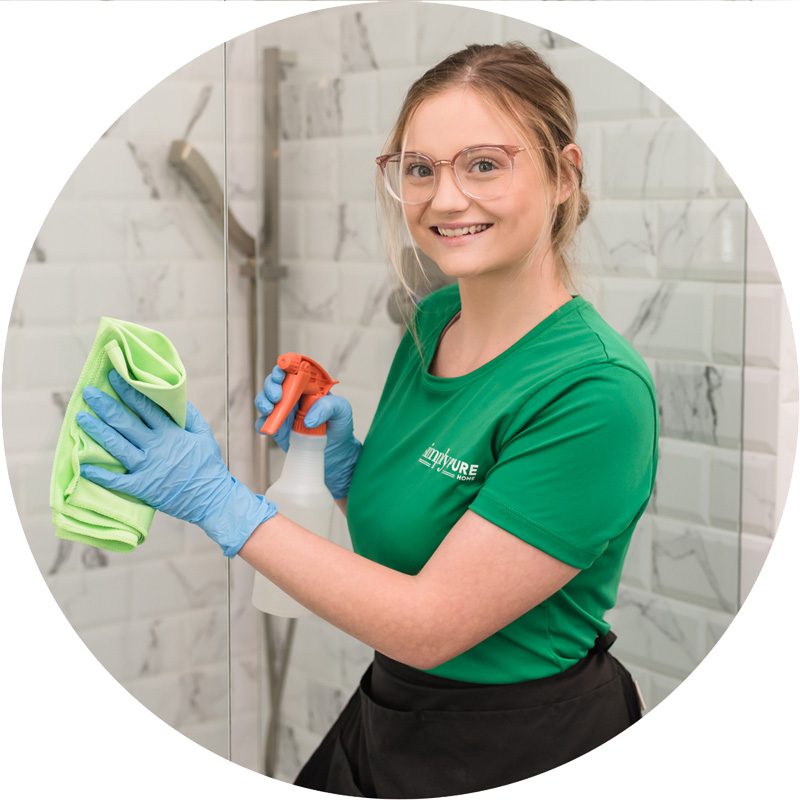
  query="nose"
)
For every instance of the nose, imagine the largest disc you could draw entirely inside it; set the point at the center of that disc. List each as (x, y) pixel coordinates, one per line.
(448, 193)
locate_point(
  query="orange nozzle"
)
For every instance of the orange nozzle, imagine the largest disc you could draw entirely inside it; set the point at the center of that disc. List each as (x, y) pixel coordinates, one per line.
(306, 381)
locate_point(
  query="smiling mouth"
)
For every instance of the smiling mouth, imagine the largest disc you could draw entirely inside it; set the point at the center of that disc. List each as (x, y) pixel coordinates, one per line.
(451, 233)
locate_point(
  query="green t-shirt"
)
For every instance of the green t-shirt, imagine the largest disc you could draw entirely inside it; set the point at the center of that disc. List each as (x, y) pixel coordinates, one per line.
(555, 440)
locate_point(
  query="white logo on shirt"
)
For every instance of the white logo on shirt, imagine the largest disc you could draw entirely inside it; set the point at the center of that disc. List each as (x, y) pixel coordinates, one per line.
(448, 465)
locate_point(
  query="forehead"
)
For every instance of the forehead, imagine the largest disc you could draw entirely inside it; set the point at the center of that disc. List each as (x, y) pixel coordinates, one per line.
(455, 118)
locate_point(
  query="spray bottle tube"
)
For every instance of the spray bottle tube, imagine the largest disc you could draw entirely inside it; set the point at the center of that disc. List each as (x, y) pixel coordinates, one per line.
(300, 492)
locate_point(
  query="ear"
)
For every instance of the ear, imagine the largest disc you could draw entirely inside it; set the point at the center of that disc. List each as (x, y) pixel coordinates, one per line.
(568, 183)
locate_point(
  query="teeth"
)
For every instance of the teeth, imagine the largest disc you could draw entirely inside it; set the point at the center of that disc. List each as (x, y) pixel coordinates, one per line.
(462, 231)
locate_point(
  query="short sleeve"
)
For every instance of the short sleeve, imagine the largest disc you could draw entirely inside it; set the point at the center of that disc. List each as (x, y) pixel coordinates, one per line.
(577, 464)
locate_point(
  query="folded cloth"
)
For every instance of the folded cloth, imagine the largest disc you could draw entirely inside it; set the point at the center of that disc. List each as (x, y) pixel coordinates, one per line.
(82, 510)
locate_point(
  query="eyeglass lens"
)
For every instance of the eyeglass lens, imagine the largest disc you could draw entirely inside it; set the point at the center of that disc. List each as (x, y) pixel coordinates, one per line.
(484, 173)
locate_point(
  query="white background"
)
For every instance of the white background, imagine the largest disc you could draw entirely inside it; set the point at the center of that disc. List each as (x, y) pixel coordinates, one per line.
(68, 70)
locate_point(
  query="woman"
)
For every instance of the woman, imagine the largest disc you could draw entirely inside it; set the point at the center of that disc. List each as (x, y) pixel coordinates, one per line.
(492, 504)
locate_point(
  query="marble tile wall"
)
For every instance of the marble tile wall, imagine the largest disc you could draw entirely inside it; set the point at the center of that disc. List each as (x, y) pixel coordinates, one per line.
(127, 238)
(662, 256)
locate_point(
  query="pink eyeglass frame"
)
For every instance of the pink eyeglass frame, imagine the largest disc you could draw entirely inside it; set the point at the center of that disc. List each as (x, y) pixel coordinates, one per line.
(510, 150)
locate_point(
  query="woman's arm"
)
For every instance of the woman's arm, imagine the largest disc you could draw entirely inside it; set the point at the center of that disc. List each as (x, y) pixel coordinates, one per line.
(480, 579)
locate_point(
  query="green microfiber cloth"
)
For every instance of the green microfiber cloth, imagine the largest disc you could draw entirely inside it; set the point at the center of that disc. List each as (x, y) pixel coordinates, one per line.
(82, 510)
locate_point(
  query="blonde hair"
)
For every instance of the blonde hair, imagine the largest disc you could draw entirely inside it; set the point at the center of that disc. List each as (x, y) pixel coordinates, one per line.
(522, 89)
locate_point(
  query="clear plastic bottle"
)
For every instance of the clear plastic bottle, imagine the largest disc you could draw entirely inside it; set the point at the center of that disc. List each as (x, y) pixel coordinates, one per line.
(300, 492)
(301, 495)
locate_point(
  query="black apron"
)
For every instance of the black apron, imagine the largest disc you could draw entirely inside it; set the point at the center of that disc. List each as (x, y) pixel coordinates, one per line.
(407, 734)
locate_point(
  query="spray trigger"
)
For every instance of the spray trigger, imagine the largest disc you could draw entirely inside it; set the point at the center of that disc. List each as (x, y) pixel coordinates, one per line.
(305, 381)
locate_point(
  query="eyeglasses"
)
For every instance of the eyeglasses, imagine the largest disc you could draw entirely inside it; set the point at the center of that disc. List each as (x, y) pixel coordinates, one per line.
(482, 172)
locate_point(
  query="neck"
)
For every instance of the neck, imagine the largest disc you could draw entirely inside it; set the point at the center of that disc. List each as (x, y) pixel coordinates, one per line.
(497, 309)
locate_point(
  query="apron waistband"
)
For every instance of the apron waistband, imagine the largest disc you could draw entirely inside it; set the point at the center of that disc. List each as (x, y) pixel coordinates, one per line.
(406, 688)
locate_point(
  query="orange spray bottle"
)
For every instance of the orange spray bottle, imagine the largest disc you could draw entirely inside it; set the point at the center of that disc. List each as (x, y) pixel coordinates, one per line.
(300, 492)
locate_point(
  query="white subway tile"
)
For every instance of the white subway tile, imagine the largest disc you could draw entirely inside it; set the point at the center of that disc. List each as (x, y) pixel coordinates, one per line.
(364, 291)
(243, 194)
(702, 239)
(245, 679)
(179, 584)
(202, 288)
(295, 746)
(325, 703)
(763, 325)
(667, 319)
(754, 553)
(682, 483)
(205, 67)
(787, 454)
(45, 295)
(723, 492)
(144, 293)
(441, 30)
(392, 87)
(377, 36)
(292, 104)
(659, 158)
(192, 107)
(243, 58)
(90, 230)
(760, 265)
(716, 625)
(700, 402)
(113, 169)
(760, 428)
(362, 356)
(309, 171)
(315, 40)
(242, 115)
(292, 231)
(656, 633)
(323, 230)
(729, 319)
(41, 358)
(696, 565)
(247, 749)
(359, 233)
(358, 170)
(359, 104)
(171, 230)
(185, 699)
(758, 493)
(310, 292)
(324, 107)
(19, 409)
(619, 238)
(589, 138)
(539, 39)
(212, 735)
(788, 355)
(661, 686)
(93, 597)
(600, 89)
(723, 183)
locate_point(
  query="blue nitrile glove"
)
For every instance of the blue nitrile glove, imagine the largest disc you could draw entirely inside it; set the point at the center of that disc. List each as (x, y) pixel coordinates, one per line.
(177, 471)
(342, 448)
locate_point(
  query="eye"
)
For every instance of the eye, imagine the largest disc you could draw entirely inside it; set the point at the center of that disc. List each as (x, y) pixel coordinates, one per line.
(419, 170)
(483, 164)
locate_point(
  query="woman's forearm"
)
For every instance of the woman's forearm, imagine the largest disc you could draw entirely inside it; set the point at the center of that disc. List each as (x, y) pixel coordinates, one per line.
(377, 605)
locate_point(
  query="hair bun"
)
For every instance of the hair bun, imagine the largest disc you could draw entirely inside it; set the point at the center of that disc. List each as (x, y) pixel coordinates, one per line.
(583, 207)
